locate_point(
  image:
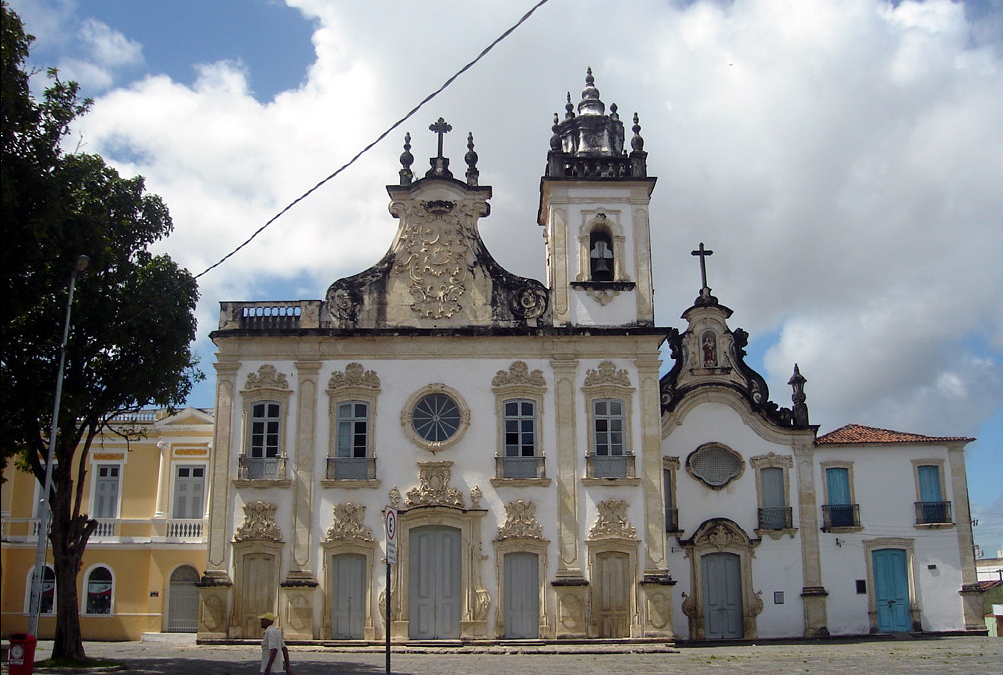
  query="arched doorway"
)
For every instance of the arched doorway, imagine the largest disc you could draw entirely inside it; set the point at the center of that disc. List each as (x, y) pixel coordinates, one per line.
(183, 600)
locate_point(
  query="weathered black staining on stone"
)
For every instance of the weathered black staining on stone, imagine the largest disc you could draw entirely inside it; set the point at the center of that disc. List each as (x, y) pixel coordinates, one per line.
(346, 298)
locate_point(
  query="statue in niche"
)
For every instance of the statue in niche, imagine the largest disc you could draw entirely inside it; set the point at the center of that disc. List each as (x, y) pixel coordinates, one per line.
(709, 350)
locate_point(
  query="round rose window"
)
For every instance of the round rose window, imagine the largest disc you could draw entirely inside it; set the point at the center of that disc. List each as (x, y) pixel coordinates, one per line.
(435, 417)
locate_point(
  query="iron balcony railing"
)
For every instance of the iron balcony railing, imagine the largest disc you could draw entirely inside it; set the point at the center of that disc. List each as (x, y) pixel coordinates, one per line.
(520, 467)
(840, 515)
(261, 468)
(928, 513)
(351, 468)
(609, 466)
(776, 518)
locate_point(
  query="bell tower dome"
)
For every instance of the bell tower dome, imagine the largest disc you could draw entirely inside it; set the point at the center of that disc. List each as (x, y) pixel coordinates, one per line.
(594, 207)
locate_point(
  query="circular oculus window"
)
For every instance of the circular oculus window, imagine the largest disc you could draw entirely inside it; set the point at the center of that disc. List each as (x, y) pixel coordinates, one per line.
(435, 418)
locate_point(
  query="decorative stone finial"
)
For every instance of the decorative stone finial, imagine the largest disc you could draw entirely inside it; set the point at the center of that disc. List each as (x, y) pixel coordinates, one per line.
(555, 139)
(471, 159)
(590, 103)
(800, 411)
(569, 109)
(407, 159)
(612, 111)
(637, 143)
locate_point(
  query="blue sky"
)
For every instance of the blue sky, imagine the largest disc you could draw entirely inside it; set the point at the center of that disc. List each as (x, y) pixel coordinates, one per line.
(842, 158)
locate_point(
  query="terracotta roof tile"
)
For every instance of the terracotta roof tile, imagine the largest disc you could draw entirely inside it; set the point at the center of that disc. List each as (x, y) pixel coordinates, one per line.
(858, 434)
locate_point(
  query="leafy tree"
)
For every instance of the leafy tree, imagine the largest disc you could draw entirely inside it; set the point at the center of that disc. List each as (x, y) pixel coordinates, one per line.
(133, 312)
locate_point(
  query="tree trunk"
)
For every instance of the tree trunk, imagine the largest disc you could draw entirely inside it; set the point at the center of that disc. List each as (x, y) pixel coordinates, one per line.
(68, 537)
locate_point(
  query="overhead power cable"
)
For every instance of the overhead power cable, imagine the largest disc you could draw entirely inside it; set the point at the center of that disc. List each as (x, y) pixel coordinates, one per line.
(379, 138)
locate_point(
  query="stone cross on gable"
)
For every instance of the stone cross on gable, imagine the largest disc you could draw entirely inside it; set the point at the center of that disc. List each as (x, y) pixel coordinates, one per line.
(703, 253)
(440, 127)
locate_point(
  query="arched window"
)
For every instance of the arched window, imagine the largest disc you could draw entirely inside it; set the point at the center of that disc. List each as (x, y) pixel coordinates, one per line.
(48, 605)
(600, 255)
(99, 591)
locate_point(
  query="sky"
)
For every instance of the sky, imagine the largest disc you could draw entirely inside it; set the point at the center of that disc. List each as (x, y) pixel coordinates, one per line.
(842, 158)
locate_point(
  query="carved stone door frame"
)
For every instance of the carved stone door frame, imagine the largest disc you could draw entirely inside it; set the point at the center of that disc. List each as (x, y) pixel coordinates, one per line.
(720, 535)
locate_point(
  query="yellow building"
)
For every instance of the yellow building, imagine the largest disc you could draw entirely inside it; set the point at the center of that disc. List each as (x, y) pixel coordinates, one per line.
(142, 563)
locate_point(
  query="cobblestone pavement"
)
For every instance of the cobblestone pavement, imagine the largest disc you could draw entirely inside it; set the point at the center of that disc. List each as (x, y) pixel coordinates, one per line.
(962, 655)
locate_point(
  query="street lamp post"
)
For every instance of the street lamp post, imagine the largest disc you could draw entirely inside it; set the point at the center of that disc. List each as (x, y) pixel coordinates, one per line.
(43, 503)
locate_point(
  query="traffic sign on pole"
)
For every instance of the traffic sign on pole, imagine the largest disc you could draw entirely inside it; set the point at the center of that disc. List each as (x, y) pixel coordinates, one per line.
(390, 522)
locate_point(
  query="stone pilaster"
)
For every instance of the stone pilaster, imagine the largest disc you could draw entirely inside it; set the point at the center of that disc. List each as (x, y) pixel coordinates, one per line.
(565, 401)
(297, 601)
(303, 467)
(970, 595)
(572, 595)
(163, 480)
(813, 595)
(651, 466)
(219, 528)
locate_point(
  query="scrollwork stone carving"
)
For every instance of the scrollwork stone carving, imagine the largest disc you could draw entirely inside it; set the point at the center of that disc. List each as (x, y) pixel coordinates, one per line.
(348, 524)
(519, 373)
(267, 377)
(433, 487)
(259, 523)
(612, 521)
(520, 522)
(607, 374)
(354, 376)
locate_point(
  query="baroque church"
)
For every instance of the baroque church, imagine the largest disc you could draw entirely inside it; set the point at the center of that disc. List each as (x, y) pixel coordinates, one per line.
(549, 483)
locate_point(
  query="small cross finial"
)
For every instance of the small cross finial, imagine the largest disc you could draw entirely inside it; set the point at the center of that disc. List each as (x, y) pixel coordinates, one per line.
(703, 253)
(440, 127)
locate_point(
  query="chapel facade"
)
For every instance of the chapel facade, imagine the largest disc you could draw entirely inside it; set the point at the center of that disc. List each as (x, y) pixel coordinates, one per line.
(549, 482)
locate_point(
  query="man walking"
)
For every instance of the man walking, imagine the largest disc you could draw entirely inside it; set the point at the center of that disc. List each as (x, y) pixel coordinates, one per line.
(271, 644)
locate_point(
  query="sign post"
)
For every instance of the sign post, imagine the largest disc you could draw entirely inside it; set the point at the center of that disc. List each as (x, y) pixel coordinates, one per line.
(390, 526)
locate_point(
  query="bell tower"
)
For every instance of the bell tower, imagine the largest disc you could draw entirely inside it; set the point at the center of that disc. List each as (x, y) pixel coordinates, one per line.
(594, 209)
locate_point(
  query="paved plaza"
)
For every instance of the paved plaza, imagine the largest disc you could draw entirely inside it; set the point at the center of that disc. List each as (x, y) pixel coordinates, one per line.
(962, 655)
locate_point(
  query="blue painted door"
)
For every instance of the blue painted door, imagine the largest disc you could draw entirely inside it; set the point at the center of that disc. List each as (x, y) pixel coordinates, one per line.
(891, 590)
(722, 593)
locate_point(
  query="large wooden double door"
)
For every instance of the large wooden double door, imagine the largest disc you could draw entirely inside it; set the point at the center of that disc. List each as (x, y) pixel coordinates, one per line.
(435, 581)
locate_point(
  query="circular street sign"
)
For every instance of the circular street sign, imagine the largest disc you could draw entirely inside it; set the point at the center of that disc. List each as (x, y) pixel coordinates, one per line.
(391, 524)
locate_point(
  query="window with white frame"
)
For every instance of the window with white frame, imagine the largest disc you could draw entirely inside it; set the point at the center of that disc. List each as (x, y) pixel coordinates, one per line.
(519, 395)
(608, 394)
(670, 465)
(105, 498)
(520, 428)
(607, 425)
(773, 484)
(47, 605)
(100, 585)
(189, 491)
(351, 454)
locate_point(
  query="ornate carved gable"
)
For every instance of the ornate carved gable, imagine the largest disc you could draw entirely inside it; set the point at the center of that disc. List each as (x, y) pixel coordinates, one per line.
(433, 487)
(518, 374)
(259, 523)
(438, 272)
(520, 522)
(267, 377)
(355, 376)
(612, 522)
(709, 353)
(349, 524)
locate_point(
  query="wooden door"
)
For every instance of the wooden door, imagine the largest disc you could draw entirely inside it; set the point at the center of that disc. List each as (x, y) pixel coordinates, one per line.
(522, 595)
(348, 596)
(722, 596)
(258, 587)
(891, 590)
(435, 571)
(612, 595)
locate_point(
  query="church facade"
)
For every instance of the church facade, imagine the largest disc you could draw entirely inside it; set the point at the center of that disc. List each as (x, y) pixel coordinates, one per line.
(549, 482)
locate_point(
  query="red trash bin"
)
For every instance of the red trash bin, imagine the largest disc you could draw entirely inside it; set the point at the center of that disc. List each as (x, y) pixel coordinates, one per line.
(21, 657)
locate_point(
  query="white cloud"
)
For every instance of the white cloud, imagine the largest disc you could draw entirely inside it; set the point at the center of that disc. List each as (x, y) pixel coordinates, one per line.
(841, 158)
(108, 47)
